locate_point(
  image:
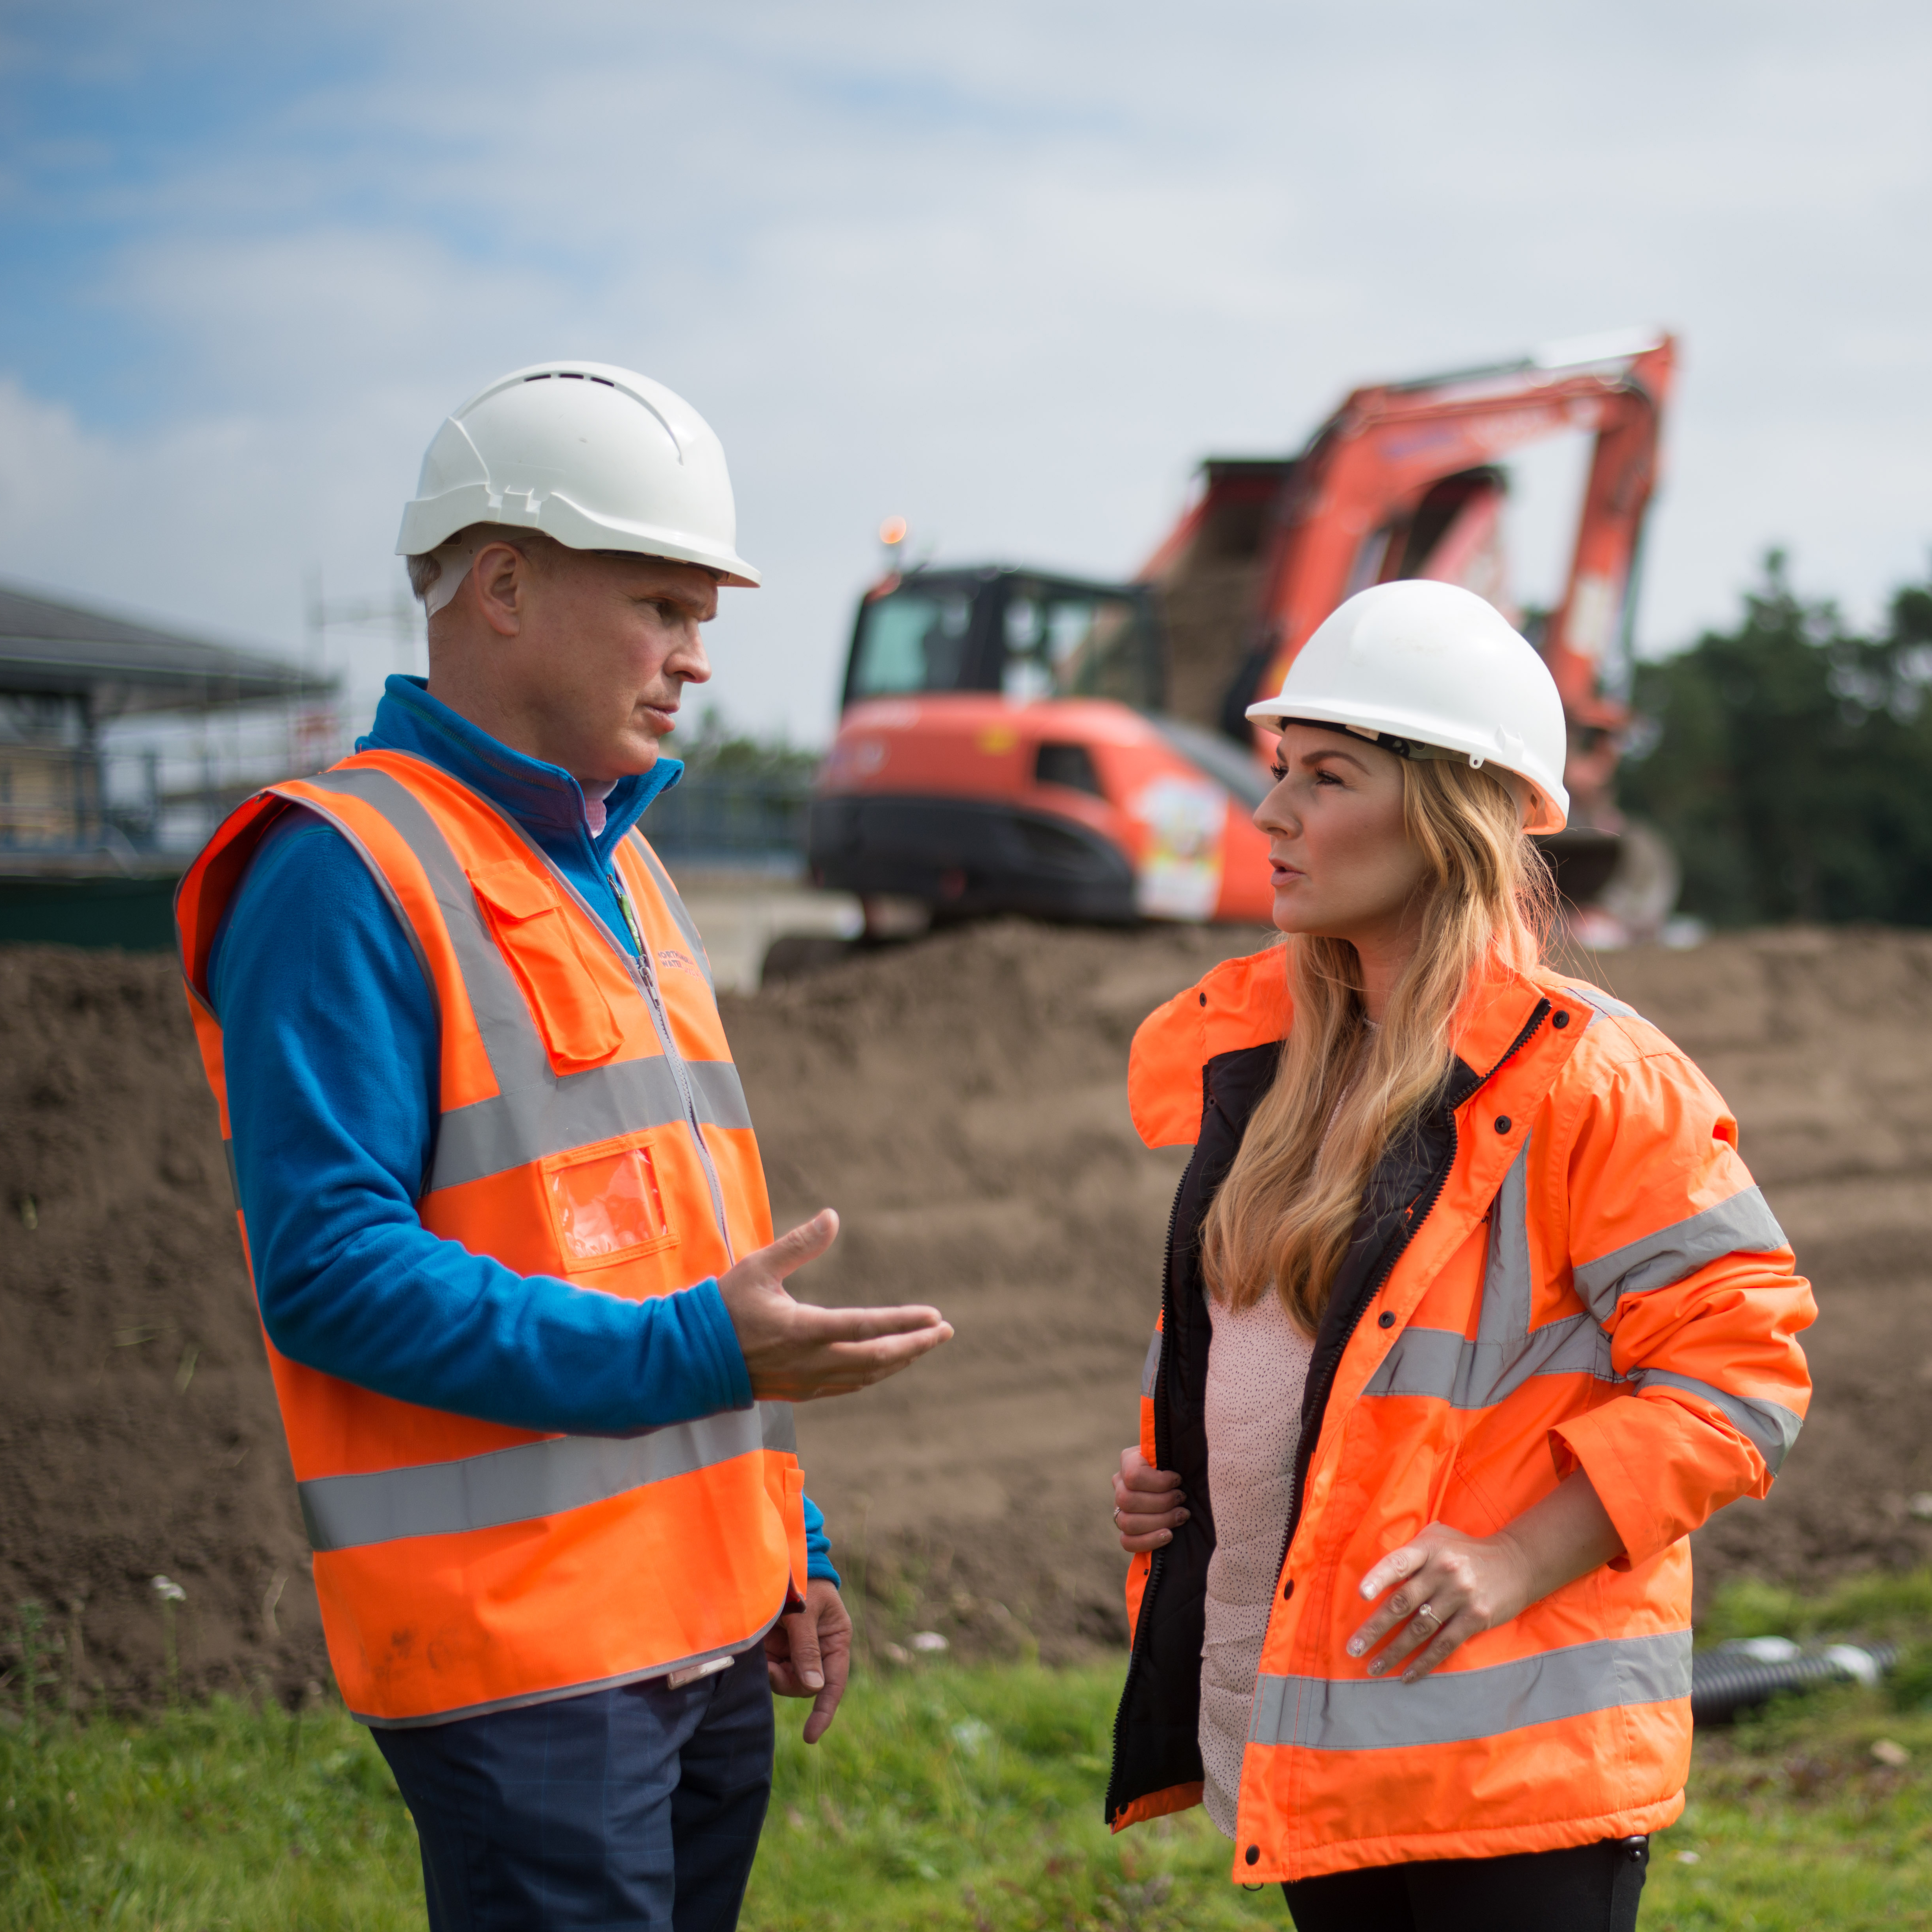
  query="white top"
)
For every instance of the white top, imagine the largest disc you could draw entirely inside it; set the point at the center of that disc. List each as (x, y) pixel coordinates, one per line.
(1257, 1363)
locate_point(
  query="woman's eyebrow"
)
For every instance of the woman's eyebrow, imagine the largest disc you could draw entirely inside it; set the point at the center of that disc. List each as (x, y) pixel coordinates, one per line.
(1333, 751)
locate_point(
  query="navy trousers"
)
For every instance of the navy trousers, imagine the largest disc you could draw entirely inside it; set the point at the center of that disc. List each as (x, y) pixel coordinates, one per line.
(637, 1808)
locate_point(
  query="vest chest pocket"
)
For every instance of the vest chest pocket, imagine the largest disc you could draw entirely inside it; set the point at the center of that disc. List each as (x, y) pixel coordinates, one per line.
(606, 1203)
(533, 932)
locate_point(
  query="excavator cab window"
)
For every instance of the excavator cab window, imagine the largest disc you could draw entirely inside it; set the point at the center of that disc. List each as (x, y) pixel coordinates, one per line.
(1061, 642)
(912, 640)
(1028, 638)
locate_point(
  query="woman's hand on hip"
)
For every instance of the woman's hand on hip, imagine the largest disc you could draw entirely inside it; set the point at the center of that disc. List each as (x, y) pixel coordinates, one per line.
(1148, 1505)
(1449, 1586)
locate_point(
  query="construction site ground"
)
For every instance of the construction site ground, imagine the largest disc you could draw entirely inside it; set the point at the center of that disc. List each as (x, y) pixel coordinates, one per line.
(961, 1101)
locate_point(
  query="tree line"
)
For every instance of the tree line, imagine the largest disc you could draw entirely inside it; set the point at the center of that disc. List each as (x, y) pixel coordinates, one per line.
(1788, 761)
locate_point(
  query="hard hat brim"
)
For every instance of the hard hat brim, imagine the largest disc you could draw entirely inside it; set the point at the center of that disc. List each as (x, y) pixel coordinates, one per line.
(1549, 802)
(428, 522)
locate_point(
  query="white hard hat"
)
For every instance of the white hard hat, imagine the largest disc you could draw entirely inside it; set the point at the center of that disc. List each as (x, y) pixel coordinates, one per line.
(1431, 669)
(596, 457)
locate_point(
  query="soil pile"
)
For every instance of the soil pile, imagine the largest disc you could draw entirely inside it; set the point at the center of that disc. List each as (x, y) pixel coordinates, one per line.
(962, 1103)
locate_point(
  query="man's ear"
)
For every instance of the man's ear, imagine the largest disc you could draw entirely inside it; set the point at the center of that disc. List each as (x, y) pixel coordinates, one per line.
(501, 575)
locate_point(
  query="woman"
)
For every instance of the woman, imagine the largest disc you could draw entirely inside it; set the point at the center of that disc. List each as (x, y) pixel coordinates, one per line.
(1471, 1313)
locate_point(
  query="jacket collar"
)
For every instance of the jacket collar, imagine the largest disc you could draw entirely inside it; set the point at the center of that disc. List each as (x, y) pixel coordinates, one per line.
(544, 799)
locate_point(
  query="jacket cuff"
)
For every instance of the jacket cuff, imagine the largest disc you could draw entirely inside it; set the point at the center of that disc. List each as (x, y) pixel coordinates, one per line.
(726, 1377)
(1583, 1443)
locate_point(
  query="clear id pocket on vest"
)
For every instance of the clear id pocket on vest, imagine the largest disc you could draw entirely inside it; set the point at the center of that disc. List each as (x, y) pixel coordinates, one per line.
(606, 1203)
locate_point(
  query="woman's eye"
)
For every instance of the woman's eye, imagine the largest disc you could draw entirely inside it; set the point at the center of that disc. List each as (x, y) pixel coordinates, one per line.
(1278, 772)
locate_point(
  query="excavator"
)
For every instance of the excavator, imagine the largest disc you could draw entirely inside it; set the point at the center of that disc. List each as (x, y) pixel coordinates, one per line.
(1017, 740)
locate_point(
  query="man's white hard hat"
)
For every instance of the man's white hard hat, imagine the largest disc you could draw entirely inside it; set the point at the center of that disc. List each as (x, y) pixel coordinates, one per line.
(596, 457)
(1431, 669)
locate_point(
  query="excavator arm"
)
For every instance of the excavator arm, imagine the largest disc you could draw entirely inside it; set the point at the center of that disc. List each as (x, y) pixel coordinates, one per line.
(1402, 481)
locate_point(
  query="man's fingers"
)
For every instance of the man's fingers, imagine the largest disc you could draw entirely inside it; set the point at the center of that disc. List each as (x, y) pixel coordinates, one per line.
(844, 1367)
(805, 1661)
(804, 1243)
(832, 1326)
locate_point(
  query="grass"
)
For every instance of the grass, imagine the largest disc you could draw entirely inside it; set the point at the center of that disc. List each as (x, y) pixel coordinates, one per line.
(944, 1798)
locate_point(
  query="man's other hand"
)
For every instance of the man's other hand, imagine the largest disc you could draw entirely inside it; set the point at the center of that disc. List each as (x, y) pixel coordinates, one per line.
(809, 1654)
(796, 1352)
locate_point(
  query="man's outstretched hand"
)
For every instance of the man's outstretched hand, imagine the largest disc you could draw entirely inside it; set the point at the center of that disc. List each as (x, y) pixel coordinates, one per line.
(796, 1352)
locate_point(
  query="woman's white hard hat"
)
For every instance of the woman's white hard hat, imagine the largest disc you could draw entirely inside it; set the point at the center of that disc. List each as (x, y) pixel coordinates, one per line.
(1433, 670)
(596, 457)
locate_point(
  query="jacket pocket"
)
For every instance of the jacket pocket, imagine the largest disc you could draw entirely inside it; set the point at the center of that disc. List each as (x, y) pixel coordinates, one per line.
(527, 919)
(606, 1203)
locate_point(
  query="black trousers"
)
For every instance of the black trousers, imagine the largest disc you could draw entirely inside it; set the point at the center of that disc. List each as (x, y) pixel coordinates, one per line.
(1580, 1888)
(636, 1809)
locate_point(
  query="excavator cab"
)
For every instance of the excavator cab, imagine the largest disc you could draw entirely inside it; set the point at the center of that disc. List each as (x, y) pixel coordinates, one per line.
(1024, 634)
(1002, 749)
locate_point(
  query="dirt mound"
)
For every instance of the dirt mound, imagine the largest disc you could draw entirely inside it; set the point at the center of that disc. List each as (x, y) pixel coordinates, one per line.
(962, 1103)
(139, 1435)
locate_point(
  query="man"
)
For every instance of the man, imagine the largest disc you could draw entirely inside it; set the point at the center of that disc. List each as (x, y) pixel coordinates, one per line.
(503, 1208)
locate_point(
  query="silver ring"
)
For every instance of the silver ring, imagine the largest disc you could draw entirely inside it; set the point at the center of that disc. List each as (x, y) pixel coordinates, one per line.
(1425, 1611)
(1117, 1516)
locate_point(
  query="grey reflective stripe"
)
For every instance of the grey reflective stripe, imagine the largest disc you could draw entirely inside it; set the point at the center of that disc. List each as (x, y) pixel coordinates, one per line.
(1606, 1006)
(1151, 1368)
(515, 1048)
(778, 1427)
(578, 1110)
(1742, 1225)
(536, 1111)
(1453, 1706)
(1771, 1427)
(354, 840)
(535, 1479)
(1438, 1362)
(679, 911)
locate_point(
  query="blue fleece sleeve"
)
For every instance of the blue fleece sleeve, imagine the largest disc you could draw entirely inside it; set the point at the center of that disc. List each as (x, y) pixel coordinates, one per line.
(331, 1046)
(818, 1546)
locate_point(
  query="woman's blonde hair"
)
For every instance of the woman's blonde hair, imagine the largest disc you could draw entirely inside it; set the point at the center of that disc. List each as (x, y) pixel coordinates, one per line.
(1283, 1217)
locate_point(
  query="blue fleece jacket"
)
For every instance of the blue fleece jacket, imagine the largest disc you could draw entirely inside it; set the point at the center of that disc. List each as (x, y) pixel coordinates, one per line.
(331, 1046)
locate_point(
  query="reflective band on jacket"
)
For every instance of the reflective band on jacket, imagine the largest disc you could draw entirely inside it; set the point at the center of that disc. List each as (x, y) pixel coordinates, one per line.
(488, 1136)
(1743, 1225)
(1453, 1706)
(537, 1479)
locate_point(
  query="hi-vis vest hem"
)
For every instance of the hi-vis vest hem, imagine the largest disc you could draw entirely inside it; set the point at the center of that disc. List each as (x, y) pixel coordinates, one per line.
(591, 1127)
(753, 1642)
(1562, 1263)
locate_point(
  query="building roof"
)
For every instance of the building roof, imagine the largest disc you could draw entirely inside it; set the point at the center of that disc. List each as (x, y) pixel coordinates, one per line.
(65, 649)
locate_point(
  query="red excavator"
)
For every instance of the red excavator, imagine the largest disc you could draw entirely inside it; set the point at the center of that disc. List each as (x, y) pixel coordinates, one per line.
(1018, 740)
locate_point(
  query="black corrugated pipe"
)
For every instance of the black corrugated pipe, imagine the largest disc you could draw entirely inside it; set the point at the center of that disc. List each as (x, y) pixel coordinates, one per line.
(1735, 1676)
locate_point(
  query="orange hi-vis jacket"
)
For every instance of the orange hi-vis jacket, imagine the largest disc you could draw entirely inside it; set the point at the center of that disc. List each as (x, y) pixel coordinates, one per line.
(1563, 1265)
(591, 1126)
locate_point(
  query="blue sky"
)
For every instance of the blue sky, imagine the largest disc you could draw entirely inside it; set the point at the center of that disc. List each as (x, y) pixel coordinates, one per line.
(1009, 270)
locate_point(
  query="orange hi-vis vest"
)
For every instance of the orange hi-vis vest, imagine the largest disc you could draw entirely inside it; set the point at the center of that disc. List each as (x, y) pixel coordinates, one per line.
(1562, 1264)
(590, 1127)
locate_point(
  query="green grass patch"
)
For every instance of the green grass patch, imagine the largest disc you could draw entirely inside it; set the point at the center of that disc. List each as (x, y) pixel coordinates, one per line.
(944, 1797)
